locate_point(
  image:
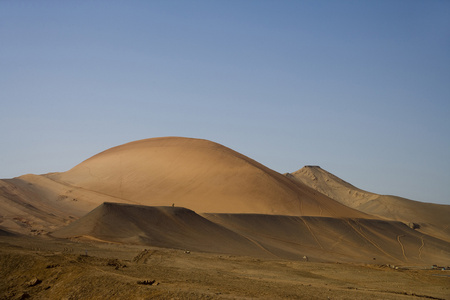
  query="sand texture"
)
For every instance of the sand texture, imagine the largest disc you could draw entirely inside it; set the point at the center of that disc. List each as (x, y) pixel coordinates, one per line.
(199, 175)
(256, 235)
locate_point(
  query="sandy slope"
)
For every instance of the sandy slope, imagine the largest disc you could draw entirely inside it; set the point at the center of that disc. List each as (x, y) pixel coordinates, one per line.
(433, 219)
(169, 227)
(4, 232)
(338, 239)
(199, 175)
(36, 204)
(269, 236)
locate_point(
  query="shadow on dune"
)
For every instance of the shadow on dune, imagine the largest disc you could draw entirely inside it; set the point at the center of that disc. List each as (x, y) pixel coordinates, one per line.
(270, 236)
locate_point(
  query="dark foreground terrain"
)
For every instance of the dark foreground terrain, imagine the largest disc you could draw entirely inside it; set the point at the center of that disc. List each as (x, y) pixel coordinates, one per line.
(46, 268)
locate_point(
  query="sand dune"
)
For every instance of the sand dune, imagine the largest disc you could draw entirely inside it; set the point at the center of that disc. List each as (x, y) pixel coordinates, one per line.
(269, 236)
(337, 239)
(168, 227)
(433, 219)
(199, 175)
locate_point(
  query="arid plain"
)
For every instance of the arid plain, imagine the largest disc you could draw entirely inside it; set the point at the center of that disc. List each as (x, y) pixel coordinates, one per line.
(186, 218)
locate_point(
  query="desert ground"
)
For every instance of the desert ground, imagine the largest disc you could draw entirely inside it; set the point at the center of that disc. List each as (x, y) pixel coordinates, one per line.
(38, 268)
(181, 218)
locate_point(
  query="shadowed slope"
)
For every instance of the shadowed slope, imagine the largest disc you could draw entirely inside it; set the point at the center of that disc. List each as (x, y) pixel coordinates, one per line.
(433, 219)
(169, 227)
(272, 236)
(332, 239)
(4, 232)
(197, 174)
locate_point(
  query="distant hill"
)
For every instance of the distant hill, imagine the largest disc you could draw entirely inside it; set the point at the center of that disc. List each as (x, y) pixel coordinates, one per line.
(433, 219)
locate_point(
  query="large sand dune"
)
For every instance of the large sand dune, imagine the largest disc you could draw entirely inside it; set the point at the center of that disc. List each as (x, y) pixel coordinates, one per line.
(432, 219)
(199, 175)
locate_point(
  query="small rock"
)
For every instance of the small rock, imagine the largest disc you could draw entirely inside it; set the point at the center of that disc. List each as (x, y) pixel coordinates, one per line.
(34, 282)
(116, 263)
(147, 282)
(52, 266)
(413, 225)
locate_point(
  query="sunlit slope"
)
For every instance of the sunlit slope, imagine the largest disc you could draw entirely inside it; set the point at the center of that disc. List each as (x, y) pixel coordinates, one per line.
(197, 174)
(433, 219)
(36, 204)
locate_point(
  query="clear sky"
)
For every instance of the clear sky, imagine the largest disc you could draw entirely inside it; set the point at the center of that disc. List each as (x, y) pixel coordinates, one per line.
(361, 88)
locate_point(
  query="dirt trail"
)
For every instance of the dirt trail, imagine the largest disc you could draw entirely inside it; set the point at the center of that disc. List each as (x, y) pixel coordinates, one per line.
(361, 233)
(312, 233)
(421, 247)
(260, 246)
(401, 245)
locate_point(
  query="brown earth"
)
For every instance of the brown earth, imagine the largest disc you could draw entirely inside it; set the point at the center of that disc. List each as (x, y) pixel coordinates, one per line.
(43, 268)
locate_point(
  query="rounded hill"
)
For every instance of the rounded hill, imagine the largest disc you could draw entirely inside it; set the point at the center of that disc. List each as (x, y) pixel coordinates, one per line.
(197, 174)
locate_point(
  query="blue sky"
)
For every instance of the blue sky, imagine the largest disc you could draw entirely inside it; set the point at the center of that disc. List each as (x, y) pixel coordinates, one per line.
(361, 88)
